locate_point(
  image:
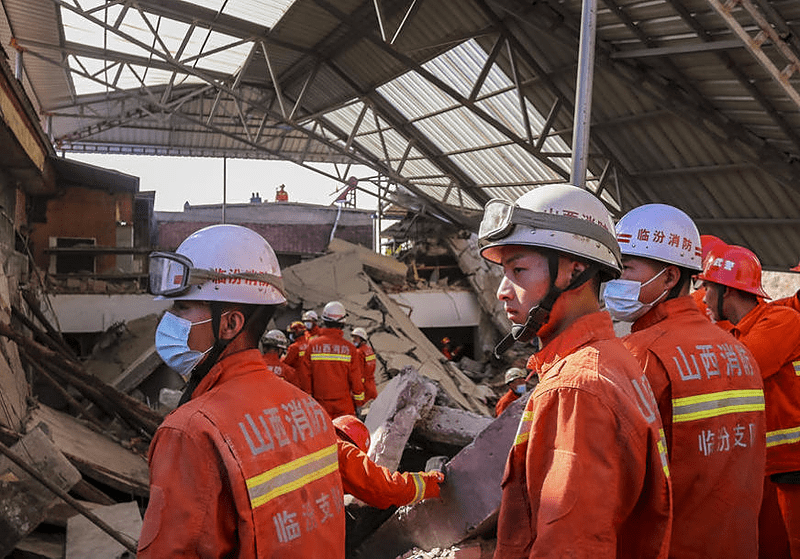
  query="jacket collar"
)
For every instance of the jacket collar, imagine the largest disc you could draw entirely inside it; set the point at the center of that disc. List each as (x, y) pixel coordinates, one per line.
(587, 329)
(239, 363)
(671, 307)
(749, 320)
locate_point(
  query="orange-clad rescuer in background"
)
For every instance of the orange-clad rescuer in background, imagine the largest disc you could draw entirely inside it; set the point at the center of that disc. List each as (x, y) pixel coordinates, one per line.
(332, 366)
(515, 381)
(273, 344)
(375, 485)
(361, 341)
(707, 385)
(772, 333)
(709, 243)
(246, 466)
(587, 475)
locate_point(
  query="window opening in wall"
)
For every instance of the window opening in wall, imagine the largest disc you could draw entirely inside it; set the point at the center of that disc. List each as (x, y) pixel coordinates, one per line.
(74, 263)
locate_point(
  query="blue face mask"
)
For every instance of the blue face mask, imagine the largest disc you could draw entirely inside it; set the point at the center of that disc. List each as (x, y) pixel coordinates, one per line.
(521, 389)
(172, 344)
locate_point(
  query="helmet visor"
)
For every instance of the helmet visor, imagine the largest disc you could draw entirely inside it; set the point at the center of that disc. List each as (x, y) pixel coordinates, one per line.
(497, 220)
(169, 273)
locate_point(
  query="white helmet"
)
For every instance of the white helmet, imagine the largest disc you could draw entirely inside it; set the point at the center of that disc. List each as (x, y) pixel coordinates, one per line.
(560, 217)
(661, 232)
(310, 316)
(275, 338)
(227, 263)
(360, 332)
(334, 312)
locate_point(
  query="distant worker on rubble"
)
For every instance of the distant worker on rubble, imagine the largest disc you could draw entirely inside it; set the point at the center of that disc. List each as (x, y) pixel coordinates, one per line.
(587, 475)
(361, 341)
(376, 485)
(311, 322)
(332, 366)
(451, 352)
(273, 344)
(281, 195)
(706, 383)
(772, 334)
(246, 466)
(515, 382)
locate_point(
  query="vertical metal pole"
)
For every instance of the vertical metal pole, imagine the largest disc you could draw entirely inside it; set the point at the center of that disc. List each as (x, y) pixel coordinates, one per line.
(18, 65)
(224, 185)
(583, 93)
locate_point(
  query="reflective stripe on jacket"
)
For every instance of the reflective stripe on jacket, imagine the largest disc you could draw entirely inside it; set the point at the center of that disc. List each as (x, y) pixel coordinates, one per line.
(772, 334)
(376, 485)
(587, 475)
(247, 468)
(710, 395)
(334, 367)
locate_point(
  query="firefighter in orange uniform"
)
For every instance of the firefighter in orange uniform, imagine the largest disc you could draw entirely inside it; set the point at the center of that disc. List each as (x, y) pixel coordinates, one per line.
(587, 475)
(772, 333)
(311, 322)
(273, 344)
(246, 466)
(710, 243)
(515, 381)
(792, 301)
(334, 366)
(375, 485)
(707, 385)
(295, 352)
(360, 340)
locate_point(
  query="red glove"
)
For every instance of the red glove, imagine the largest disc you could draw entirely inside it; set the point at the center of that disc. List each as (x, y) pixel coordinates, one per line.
(432, 481)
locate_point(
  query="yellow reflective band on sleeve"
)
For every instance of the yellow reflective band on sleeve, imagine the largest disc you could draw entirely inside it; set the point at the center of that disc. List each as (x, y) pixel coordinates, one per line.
(703, 406)
(372, 358)
(419, 488)
(359, 397)
(783, 436)
(662, 451)
(291, 476)
(331, 357)
(302, 353)
(523, 430)
(796, 365)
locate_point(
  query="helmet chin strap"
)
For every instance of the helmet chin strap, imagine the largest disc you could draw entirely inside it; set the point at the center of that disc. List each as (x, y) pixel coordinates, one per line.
(540, 314)
(719, 303)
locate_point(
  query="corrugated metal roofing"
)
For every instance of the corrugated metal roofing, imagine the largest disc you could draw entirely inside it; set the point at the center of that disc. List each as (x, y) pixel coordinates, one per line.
(454, 101)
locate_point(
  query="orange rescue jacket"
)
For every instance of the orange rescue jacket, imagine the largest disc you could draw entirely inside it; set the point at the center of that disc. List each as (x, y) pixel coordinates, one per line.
(368, 364)
(377, 486)
(710, 395)
(294, 354)
(281, 369)
(587, 475)
(505, 400)
(334, 367)
(793, 301)
(772, 334)
(247, 468)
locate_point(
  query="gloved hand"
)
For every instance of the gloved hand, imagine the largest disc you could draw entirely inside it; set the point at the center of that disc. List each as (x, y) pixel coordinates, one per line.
(433, 480)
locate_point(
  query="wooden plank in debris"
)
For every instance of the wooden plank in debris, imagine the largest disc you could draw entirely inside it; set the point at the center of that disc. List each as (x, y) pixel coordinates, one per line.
(377, 266)
(14, 387)
(95, 455)
(84, 539)
(23, 500)
(138, 371)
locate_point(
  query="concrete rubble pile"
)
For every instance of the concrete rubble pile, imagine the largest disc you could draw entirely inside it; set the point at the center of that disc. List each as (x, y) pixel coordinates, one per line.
(95, 419)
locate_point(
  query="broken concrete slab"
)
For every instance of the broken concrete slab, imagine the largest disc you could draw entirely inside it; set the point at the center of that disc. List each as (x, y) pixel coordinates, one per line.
(40, 546)
(85, 539)
(469, 501)
(141, 368)
(394, 413)
(378, 266)
(23, 500)
(122, 346)
(95, 455)
(451, 426)
(340, 276)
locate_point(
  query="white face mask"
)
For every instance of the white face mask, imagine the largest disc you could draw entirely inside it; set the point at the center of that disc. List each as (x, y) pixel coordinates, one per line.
(172, 344)
(622, 298)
